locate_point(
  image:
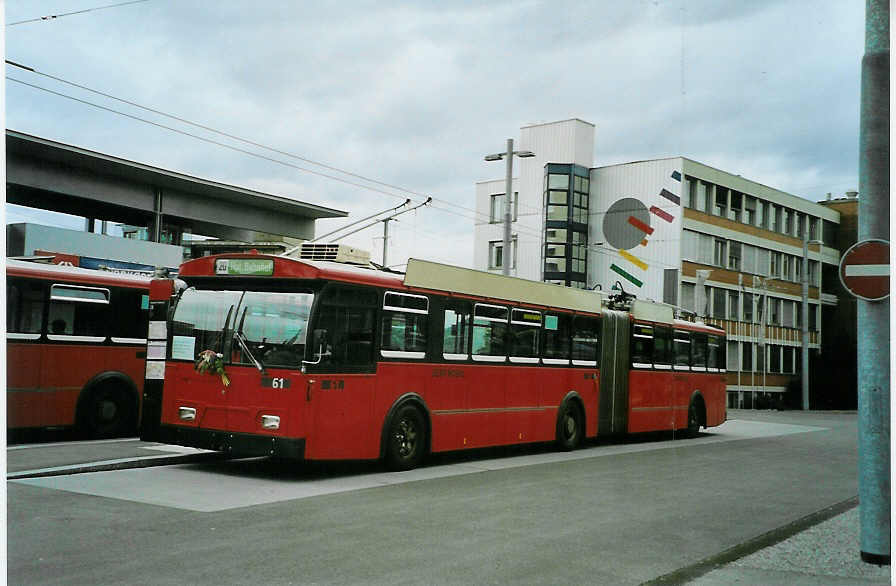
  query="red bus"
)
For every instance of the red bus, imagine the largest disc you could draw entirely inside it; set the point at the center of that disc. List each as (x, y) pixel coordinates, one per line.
(75, 348)
(275, 356)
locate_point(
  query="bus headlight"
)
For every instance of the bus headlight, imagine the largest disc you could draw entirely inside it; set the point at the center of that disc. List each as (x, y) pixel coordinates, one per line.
(270, 422)
(187, 413)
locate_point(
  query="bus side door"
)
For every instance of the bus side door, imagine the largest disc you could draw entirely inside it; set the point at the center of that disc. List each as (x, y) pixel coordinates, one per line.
(342, 394)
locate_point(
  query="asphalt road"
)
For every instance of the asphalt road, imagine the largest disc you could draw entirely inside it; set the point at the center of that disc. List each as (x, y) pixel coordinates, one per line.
(612, 513)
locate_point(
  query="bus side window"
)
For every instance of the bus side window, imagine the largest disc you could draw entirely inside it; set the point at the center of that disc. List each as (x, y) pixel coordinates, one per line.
(715, 357)
(78, 311)
(130, 314)
(24, 307)
(556, 338)
(456, 330)
(642, 346)
(525, 325)
(662, 347)
(585, 340)
(681, 346)
(490, 332)
(347, 316)
(404, 325)
(698, 351)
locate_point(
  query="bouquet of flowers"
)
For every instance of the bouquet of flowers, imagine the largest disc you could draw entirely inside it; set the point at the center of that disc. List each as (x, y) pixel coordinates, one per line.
(211, 362)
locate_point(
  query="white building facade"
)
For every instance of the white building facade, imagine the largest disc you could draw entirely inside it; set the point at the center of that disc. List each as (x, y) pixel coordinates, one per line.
(673, 230)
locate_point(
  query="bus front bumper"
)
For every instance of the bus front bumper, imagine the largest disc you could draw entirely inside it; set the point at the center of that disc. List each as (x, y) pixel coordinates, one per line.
(238, 444)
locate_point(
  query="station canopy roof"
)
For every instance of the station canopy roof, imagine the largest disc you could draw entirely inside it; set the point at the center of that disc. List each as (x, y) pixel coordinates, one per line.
(49, 175)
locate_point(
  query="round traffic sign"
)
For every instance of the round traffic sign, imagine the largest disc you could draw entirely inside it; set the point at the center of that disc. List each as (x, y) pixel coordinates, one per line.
(865, 269)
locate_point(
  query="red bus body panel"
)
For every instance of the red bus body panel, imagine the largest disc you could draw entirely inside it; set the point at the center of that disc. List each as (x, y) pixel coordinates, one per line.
(468, 404)
(44, 379)
(342, 415)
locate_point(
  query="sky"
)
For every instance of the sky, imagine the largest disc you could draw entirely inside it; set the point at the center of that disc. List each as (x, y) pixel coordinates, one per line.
(414, 94)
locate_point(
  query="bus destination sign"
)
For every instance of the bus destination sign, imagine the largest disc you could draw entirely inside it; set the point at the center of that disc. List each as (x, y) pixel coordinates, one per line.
(258, 267)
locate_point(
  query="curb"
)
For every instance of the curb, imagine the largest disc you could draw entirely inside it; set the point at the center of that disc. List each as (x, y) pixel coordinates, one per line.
(123, 464)
(770, 538)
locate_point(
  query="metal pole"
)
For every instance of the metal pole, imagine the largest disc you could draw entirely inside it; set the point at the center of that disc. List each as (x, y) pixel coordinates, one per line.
(873, 322)
(385, 240)
(508, 210)
(739, 329)
(805, 321)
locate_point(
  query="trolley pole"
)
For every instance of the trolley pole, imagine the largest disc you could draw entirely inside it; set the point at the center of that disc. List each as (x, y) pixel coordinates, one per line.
(873, 383)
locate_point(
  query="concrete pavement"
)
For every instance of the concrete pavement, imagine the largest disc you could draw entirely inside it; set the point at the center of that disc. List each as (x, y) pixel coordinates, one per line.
(818, 548)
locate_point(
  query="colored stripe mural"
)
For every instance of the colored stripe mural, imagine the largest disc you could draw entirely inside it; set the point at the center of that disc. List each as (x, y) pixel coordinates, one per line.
(627, 224)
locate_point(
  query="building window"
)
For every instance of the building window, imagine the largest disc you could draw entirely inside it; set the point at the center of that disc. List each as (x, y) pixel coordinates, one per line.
(721, 203)
(788, 221)
(733, 356)
(748, 307)
(558, 212)
(787, 357)
(555, 235)
(774, 311)
(734, 255)
(558, 181)
(718, 303)
(496, 209)
(747, 357)
(774, 358)
(775, 265)
(749, 210)
(813, 228)
(787, 313)
(785, 267)
(736, 203)
(813, 318)
(719, 257)
(496, 254)
(732, 305)
(687, 296)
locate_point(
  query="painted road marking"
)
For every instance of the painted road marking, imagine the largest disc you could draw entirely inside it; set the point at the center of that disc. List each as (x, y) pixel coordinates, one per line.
(245, 483)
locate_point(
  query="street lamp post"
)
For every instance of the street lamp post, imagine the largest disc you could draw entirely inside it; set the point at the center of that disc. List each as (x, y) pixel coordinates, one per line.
(805, 321)
(508, 193)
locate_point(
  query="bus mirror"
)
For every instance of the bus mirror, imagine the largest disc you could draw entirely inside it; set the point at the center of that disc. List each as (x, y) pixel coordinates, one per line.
(319, 343)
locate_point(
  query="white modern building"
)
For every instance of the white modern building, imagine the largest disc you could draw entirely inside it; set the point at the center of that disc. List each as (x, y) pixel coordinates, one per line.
(672, 230)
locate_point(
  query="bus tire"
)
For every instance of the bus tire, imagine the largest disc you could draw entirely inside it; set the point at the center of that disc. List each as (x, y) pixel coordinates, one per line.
(696, 416)
(405, 439)
(107, 410)
(570, 426)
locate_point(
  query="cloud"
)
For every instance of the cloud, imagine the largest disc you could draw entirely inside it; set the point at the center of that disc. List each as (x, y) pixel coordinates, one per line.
(414, 94)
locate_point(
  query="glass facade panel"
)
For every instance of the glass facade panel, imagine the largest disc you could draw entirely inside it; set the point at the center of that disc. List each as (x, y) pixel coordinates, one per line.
(556, 181)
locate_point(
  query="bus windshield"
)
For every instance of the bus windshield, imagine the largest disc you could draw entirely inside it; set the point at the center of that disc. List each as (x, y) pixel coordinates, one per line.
(270, 325)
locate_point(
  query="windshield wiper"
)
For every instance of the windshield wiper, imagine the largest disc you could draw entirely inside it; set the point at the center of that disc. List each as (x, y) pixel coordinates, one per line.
(244, 343)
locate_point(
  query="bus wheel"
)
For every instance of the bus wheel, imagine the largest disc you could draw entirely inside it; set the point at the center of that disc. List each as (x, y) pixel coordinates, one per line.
(569, 427)
(406, 439)
(107, 412)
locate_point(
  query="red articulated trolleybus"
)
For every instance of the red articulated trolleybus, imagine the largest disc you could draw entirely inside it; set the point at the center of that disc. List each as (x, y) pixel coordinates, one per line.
(321, 360)
(75, 348)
